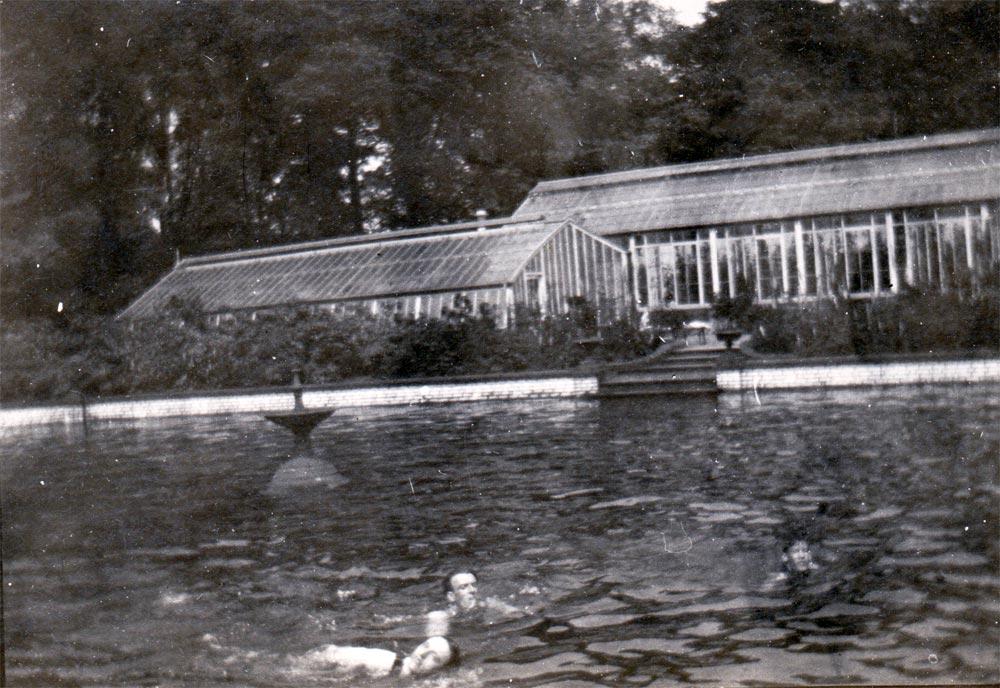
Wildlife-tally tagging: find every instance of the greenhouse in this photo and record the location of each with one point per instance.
(532, 267)
(864, 220)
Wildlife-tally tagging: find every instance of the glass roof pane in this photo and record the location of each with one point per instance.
(380, 269)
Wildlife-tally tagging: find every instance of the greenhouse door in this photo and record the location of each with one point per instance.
(536, 293)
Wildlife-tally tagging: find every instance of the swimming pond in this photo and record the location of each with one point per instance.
(640, 539)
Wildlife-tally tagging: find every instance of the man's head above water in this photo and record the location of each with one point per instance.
(432, 654)
(461, 591)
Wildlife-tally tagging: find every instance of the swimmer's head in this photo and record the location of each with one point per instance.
(460, 588)
(434, 653)
(797, 557)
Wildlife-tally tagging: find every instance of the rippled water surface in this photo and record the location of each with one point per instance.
(639, 539)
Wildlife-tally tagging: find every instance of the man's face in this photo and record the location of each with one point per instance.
(463, 591)
(429, 655)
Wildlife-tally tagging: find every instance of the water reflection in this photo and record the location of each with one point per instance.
(643, 539)
(304, 472)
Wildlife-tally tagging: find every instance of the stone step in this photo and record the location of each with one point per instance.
(659, 376)
(707, 354)
(693, 359)
(657, 388)
(678, 365)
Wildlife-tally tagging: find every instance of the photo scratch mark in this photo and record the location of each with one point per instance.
(682, 545)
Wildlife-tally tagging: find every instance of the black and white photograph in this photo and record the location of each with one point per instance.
(499, 343)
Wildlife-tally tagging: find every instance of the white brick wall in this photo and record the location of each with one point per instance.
(860, 375)
(791, 377)
(125, 408)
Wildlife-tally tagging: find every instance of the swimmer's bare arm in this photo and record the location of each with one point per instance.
(348, 659)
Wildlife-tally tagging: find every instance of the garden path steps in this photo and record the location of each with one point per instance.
(667, 371)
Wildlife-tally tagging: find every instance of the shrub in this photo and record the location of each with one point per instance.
(624, 340)
(739, 310)
(56, 360)
(915, 321)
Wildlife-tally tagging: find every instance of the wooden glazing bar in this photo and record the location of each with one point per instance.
(634, 252)
(756, 258)
(623, 266)
(566, 253)
(546, 271)
(909, 236)
(817, 243)
(800, 257)
(699, 271)
(927, 273)
(890, 246)
(597, 275)
(502, 314)
(970, 260)
(730, 262)
(587, 261)
(847, 254)
(673, 271)
(611, 287)
(566, 272)
(577, 274)
(786, 284)
(574, 263)
(551, 280)
(876, 270)
(942, 274)
(713, 260)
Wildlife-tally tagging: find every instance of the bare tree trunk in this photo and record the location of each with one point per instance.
(354, 184)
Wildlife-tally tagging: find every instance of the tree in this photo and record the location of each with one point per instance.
(760, 76)
(133, 131)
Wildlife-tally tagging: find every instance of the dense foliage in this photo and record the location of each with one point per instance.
(132, 130)
(914, 322)
(48, 359)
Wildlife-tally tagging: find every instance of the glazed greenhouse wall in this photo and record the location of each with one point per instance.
(861, 255)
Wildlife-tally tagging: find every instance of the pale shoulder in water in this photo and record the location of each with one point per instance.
(432, 654)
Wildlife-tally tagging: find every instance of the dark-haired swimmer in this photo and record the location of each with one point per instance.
(432, 654)
(462, 592)
(796, 564)
(797, 558)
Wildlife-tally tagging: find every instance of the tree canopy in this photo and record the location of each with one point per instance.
(132, 131)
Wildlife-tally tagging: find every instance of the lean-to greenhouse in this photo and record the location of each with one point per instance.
(533, 267)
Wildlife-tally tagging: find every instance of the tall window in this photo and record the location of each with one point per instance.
(860, 274)
(686, 271)
(668, 278)
(861, 254)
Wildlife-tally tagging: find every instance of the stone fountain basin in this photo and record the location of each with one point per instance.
(299, 421)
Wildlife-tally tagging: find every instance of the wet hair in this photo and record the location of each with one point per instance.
(446, 583)
(791, 543)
